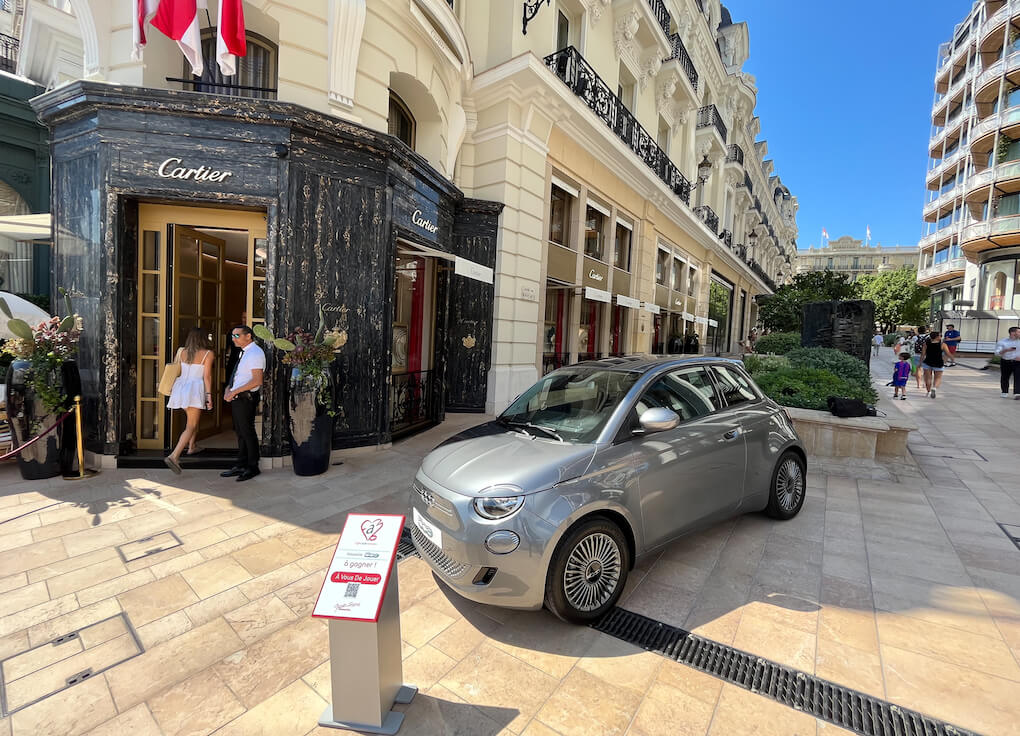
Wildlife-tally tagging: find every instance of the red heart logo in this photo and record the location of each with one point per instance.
(371, 528)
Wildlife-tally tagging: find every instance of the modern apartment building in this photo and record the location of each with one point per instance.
(970, 253)
(475, 191)
(854, 258)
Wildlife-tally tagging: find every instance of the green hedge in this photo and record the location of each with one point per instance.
(809, 388)
(890, 339)
(837, 363)
(755, 363)
(779, 343)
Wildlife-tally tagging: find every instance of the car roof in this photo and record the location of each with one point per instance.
(643, 363)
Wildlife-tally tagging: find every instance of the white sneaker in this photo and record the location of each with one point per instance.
(1005, 396)
(903, 398)
(1016, 397)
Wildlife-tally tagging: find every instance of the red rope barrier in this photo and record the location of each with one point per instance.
(32, 441)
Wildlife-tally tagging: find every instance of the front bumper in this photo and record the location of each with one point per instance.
(463, 560)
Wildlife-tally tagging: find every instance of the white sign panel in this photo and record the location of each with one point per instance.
(628, 301)
(476, 271)
(653, 308)
(529, 293)
(701, 320)
(597, 295)
(688, 316)
(713, 323)
(362, 562)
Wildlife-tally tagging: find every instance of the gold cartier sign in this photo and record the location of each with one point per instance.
(171, 169)
(426, 225)
(595, 275)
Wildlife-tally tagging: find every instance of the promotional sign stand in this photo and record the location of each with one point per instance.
(360, 599)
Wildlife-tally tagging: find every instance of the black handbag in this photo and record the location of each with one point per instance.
(847, 408)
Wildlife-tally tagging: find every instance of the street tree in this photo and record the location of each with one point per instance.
(898, 298)
(783, 311)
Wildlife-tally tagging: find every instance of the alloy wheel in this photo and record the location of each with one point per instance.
(592, 572)
(789, 484)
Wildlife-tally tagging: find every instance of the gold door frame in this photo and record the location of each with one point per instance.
(154, 249)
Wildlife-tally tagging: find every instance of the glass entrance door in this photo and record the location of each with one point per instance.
(411, 393)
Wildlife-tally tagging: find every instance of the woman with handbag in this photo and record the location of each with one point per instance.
(192, 391)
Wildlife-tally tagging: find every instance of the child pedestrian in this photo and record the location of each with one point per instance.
(901, 372)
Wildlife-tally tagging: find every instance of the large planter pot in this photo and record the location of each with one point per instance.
(55, 453)
(309, 405)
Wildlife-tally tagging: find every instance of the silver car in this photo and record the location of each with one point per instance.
(594, 466)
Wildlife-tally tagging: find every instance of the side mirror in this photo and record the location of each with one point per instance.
(658, 419)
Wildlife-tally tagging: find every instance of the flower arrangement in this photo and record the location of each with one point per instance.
(310, 353)
(46, 346)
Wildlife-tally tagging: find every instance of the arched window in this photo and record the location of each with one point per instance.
(401, 122)
(997, 292)
(256, 71)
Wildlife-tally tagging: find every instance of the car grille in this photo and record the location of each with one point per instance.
(431, 500)
(449, 567)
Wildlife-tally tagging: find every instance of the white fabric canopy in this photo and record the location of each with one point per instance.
(21, 309)
(25, 227)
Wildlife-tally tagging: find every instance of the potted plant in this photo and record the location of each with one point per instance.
(309, 404)
(41, 383)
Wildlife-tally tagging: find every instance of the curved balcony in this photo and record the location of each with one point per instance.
(986, 87)
(995, 233)
(951, 269)
(996, 23)
(940, 237)
(1005, 176)
(935, 208)
(940, 109)
(982, 138)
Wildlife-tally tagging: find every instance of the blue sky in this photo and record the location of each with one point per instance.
(844, 94)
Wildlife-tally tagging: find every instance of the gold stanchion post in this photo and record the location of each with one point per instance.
(82, 473)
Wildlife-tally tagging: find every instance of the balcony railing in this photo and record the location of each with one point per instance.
(734, 154)
(748, 184)
(708, 116)
(681, 56)
(577, 74)
(948, 266)
(760, 273)
(708, 216)
(727, 237)
(8, 53)
(661, 14)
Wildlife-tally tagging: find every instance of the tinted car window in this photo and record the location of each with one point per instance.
(735, 386)
(687, 391)
(574, 402)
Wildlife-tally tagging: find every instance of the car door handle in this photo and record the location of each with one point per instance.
(732, 434)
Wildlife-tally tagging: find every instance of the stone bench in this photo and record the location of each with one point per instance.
(876, 438)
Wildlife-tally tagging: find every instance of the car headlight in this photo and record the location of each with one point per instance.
(498, 507)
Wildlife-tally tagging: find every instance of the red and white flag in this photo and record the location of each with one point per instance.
(230, 41)
(178, 19)
(143, 11)
(825, 233)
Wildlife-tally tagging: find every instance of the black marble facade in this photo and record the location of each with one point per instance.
(337, 197)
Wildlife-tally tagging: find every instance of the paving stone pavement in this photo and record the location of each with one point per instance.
(895, 580)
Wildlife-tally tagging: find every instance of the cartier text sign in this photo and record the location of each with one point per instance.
(424, 223)
(172, 168)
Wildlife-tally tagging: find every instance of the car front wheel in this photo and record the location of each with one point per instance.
(789, 485)
(587, 572)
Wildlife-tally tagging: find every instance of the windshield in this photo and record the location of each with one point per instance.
(572, 404)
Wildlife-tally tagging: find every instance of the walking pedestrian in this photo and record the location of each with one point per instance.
(242, 393)
(933, 361)
(918, 351)
(191, 391)
(876, 343)
(1008, 350)
(952, 340)
(901, 372)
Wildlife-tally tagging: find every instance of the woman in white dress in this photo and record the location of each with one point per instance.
(192, 391)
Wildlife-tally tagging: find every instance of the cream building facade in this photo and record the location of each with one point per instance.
(854, 258)
(970, 252)
(620, 136)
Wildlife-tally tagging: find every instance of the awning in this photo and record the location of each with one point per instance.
(26, 227)
(414, 249)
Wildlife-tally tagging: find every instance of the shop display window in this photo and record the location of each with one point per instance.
(560, 208)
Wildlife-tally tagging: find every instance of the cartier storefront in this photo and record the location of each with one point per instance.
(173, 210)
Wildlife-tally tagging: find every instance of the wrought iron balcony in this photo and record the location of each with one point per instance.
(741, 250)
(734, 154)
(760, 273)
(8, 53)
(727, 237)
(709, 116)
(681, 56)
(577, 74)
(661, 14)
(748, 184)
(708, 216)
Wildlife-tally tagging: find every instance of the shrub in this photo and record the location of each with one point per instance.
(890, 339)
(836, 362)
(755, 363)
(779, 343)
(808, 388)
(995, 360)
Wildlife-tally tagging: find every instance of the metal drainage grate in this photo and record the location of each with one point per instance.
(820, 698)
(406, 547)
(35, 674)
(1013, 532)
(146, 546)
